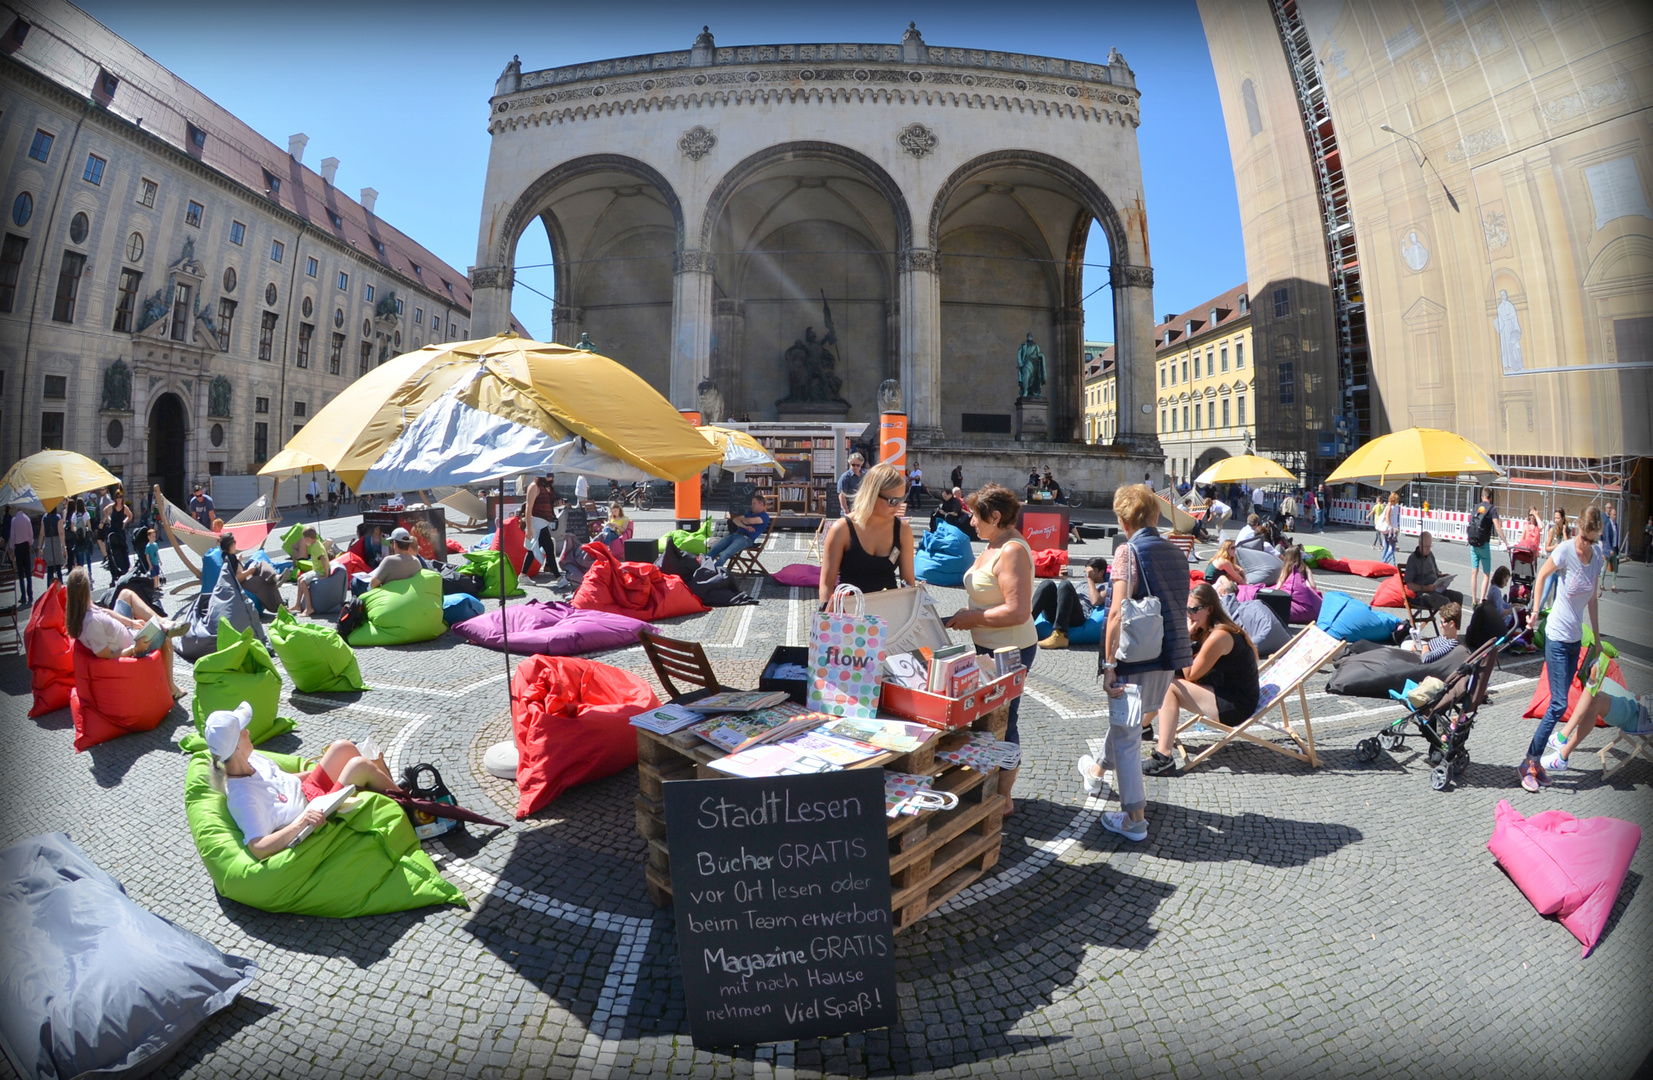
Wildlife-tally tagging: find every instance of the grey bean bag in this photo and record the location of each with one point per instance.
(226, 601)
(1260, 567)
(1264, 627)
(1376, 670)
(327, 594)
(90, 981)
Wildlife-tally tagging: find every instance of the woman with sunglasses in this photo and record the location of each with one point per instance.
(872, 544)
(1574, 567)
(1220, 684)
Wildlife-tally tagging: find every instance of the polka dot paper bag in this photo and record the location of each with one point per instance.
(846, 657)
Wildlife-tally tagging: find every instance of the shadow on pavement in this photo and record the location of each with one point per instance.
(362, 941)
(112, 760)
(221, 1028)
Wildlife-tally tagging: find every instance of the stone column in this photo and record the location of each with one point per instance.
(1133, 316)
(566, 324)
(728, 338)
(491, 299)
(892, 338)
(920, 306)
(691, 360)
(1065, 369)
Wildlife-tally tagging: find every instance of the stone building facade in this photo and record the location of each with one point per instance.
(1101, 392)
(927, 207)
(177, 293)
(1206, 373)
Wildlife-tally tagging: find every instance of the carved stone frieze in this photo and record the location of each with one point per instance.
(917, 140)
(1611, 92)
(1477, 143)
(1131, 277)
(918, 259)
(493, 277)
(692, 261)
(696, 143)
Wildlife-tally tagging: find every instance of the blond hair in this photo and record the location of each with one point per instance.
(877, 480)
(1136, 506)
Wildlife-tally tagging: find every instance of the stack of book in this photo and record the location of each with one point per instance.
(952, 671)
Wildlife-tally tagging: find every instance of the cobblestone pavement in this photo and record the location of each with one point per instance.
(1278, 921)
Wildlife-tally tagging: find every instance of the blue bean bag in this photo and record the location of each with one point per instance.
(89, 981)
(943, 556)
(457, 607)
(1345, 618)
(1088, 632)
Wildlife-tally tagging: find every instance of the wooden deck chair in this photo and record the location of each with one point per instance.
(747, 562)
(682, 661)
(463, 502)
(11, 637)
(817, 543)
(1420, 615)
(1285, 671)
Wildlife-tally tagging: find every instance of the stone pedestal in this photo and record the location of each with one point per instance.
(812, 412)
(1032, 419)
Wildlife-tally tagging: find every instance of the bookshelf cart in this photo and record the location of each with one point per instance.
(813, 455)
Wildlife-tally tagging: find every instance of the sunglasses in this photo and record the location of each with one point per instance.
(896, 501)
(1195, 609)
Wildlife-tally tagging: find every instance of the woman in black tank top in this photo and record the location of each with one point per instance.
(1221, 684)
(871, 548)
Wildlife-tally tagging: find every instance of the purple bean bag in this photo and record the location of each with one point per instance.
(1305, 601)
(801, 575)
(555, 629)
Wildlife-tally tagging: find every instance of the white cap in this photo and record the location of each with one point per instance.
(224, 729)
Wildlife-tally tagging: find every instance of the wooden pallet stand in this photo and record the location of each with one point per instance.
(933, 854)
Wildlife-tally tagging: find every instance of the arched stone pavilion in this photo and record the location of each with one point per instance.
(706, 208)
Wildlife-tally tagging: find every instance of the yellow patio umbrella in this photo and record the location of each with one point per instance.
(50, 476)
(469, 411)
(1395, 460)
(1245, 469)
(740, 450)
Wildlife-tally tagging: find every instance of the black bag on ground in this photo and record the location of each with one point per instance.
(352, 615)
(424, 782)
(140, 583)
(455, 582)
(711, 586)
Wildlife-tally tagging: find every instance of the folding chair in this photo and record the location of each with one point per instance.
(1419, 614)
(463, 502)
(684, 661)
(1285, 671)
(1639, 745)
(817, 543)
(747, 562)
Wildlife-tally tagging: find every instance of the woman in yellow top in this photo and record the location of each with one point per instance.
(1000, 588)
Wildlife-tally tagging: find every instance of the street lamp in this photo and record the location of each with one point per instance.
(1423, 159)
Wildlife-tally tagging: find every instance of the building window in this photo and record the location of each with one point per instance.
(305, 333)
(22, 209)
(238, 233)
(94, 169)
(261, 405)
(134, 247)
(270, 294)
(51, 431)
(79, 226)
(335, 355)
(1244, 304)
(1210, 365)
(68, 286)
(344, 281)
(311, 266)
(398, 305)
(298, 409)
(1162, 376)
(272, 184)
(1185, 418)
(126, 305)
(1162, 426)
(226, 321)
(1288, 382)
(57, 388)
(180, 313)
(379, 246)
(261, 439)
(418, 271)
(1282, 303)
(192, 215)
(365, 360)
(197, 137)
(338, 317)
(1239, 410)
(146, 192)
(419, 319)
(1185, 371)
(11, 268)
(278, 250)
(338, 222)
(1225, 412)
(1239, 354)
(266, 335)
(367, 294)
(367, 328)
(1224, 364)
(41, 148)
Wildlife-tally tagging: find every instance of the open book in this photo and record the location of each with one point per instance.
(149, 636)
(328, 804)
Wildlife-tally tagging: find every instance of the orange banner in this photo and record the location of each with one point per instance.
(687, 500)
(892, 439)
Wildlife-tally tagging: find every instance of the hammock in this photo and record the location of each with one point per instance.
(249, 527)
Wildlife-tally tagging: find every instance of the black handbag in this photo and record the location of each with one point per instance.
(424, 781)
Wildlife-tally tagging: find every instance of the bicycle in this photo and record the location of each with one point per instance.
(640, 496)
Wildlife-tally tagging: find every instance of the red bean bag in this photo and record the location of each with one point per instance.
(1049, 562)
(572, 720)
(1566, 867)
(51, 665)
(1195, 576)
(1540, 703)
(641, 590)
(1340, 566)
(516, 545)
(352, 562)
(117, 697)
(1368, 567)
(455, 548)
(1390, 594)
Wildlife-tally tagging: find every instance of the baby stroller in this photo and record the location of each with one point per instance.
(1523, 567)
(1444, 720)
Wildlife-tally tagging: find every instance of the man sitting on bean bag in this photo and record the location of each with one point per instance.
(402, 611)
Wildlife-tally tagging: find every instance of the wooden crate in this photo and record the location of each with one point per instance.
(933, 854)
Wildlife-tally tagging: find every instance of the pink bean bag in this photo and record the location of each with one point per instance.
(51, 663)
(553, 628)
(799, 575)
(1568, 868)
(117, 697)
(1540, 703)
(641, 590)
(572, 720)
(1305, 601)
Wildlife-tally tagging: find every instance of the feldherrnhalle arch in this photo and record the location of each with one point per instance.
(704, 206)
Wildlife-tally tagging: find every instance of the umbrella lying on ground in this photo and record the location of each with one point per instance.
(45, 479)
(1395, 460)
(1246, 469)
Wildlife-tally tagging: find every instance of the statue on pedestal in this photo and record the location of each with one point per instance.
(1030, 369)
(709, 399)
(812, 366)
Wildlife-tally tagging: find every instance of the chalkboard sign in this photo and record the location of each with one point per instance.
(782, 892)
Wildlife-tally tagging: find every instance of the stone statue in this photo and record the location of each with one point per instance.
(812, 366)
(585, 344)
(117, 386)
(889, 396)
(1030, 369)
(1415, 255)
(709, 401)
(219, 392)
(386, 307)
(154, 309)
(1508, 325)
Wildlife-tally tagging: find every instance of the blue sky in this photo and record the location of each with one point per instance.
(400, 95)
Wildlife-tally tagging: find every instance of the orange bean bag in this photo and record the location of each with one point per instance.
(1337, 565)
(455, 548)
(352, 562)
(641, 590)
(117, 697)
(572, 719)
(51, 665)
(1049, 562)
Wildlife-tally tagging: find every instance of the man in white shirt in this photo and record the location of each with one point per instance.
(22, 550)
(582, 491)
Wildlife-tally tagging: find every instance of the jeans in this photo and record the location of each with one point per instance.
(1561, 664)
(730, 546)
(1388, 555)
(1013, 733)
(22, 557)
(1123, 746)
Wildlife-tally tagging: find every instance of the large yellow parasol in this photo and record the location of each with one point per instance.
(469, 411)
(50, 476)
(1393, 461)
(1246, 469)
(740, 450)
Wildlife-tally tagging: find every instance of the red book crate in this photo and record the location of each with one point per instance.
(948, 714)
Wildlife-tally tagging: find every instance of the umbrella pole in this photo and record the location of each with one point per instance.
(504, 623)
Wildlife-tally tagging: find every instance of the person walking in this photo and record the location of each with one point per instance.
(1575, 568)
(52, 545)
(1610, 543)
(1483, 526)
(21, 538)
(956, 480)
(849, 484)
(1390, 528)
(79, 534)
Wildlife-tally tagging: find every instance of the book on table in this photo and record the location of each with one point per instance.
(667, 719)
(729, 732)
(328, 804)
(907, 669)
(738, 701)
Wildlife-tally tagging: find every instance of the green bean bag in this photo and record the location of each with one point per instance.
(694, 542)
(241, 670)
(1313, 553)
(364, 861)
(485, 565)
(402, 612)
(316, 657)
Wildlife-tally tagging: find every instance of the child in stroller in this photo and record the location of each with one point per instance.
(1524, 557)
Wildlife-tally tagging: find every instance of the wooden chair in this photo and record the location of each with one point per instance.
(1419, 615)
(747, 562)
(11, 637)
(682, 661)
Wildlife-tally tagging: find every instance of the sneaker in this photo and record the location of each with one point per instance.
(1091, 774)
(175, 627)
(1532, 775)
(1553, 762)
(1116, 821)
(1058, 639)
(1160, 765)
(1557, 741)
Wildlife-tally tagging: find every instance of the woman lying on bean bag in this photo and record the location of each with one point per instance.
(107, 634)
